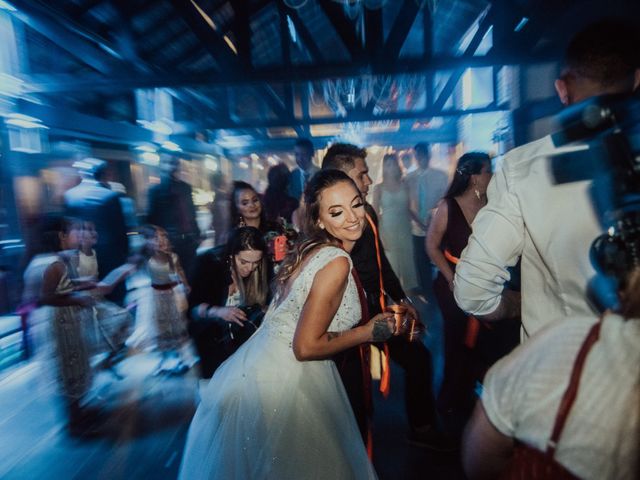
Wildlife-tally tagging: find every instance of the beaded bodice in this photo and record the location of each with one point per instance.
(282, 317)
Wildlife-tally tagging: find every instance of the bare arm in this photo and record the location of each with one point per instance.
(437, 228)
(48, 296)
(311, 340)
(486, 452)
(114, 277)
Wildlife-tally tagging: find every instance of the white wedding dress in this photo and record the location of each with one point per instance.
(266, 415)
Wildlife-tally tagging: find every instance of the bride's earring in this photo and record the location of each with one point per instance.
(476, 191)
(241, 222)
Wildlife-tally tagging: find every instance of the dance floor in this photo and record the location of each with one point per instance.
(146, 428)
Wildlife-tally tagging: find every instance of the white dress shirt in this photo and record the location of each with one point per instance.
(550, 226)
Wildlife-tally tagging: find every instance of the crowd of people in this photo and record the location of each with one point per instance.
(281, 315)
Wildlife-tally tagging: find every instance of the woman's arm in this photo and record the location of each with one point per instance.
(437, 228)
(311, 340)
(486, 452)
(114, 277)
(48, 296)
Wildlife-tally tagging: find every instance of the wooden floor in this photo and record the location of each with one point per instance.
(145, 434)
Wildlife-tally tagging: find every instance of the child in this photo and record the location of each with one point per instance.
(166, 275)
(111, 323)
(68, 315)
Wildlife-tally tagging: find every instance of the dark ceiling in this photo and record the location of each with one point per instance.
(274, 69)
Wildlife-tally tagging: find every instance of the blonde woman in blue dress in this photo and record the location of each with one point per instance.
(277, 408)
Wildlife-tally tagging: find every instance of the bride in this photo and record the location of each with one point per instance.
(277, 408)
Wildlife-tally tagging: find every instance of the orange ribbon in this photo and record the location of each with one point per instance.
(473, 324)
(385, 380)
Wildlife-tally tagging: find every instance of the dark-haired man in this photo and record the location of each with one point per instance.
(94, 201)
(171, 207)
(413, 357)
(550, 227)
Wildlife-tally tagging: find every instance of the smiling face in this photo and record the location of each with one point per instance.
(341, 213)
(247, 261)
(248, 204)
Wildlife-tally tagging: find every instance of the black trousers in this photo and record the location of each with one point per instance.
(415, 359)
(349, 366)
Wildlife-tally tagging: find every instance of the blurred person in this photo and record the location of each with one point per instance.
(171, 208)
(391, 201)
(227, 282)
(128, 205)
(406, 162)
(567, 402)
(278, 204)
(277, 408)
(112, 324)
(379, 281)
(94, 201)
(426, 187)
(220, 208)
(301, 175)
(65, 317)
(166, 304)
(469, 347)
(549, 227)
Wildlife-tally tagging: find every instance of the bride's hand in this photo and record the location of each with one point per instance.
(382, 327)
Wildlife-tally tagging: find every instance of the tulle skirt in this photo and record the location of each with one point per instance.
(265, 415)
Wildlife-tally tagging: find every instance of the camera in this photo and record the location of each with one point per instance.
(236, 334)
(609, 125)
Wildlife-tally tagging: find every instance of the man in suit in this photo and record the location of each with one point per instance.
(171, 207)
(412, 357)
(93, 200)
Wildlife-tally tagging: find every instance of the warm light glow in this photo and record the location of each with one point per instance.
(231, 45)
(467, 93)
(210, 163)
(7, 6)
(171, 146)
(150, 158)
(204, 15)
(145, 148)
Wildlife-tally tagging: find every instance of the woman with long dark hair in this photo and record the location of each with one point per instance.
(277, 408)
(230, 288)
(247, 209)
(446, 238)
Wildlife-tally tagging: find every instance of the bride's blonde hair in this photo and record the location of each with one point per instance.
(312, 235)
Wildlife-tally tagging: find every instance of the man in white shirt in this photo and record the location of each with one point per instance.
(550, 227)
